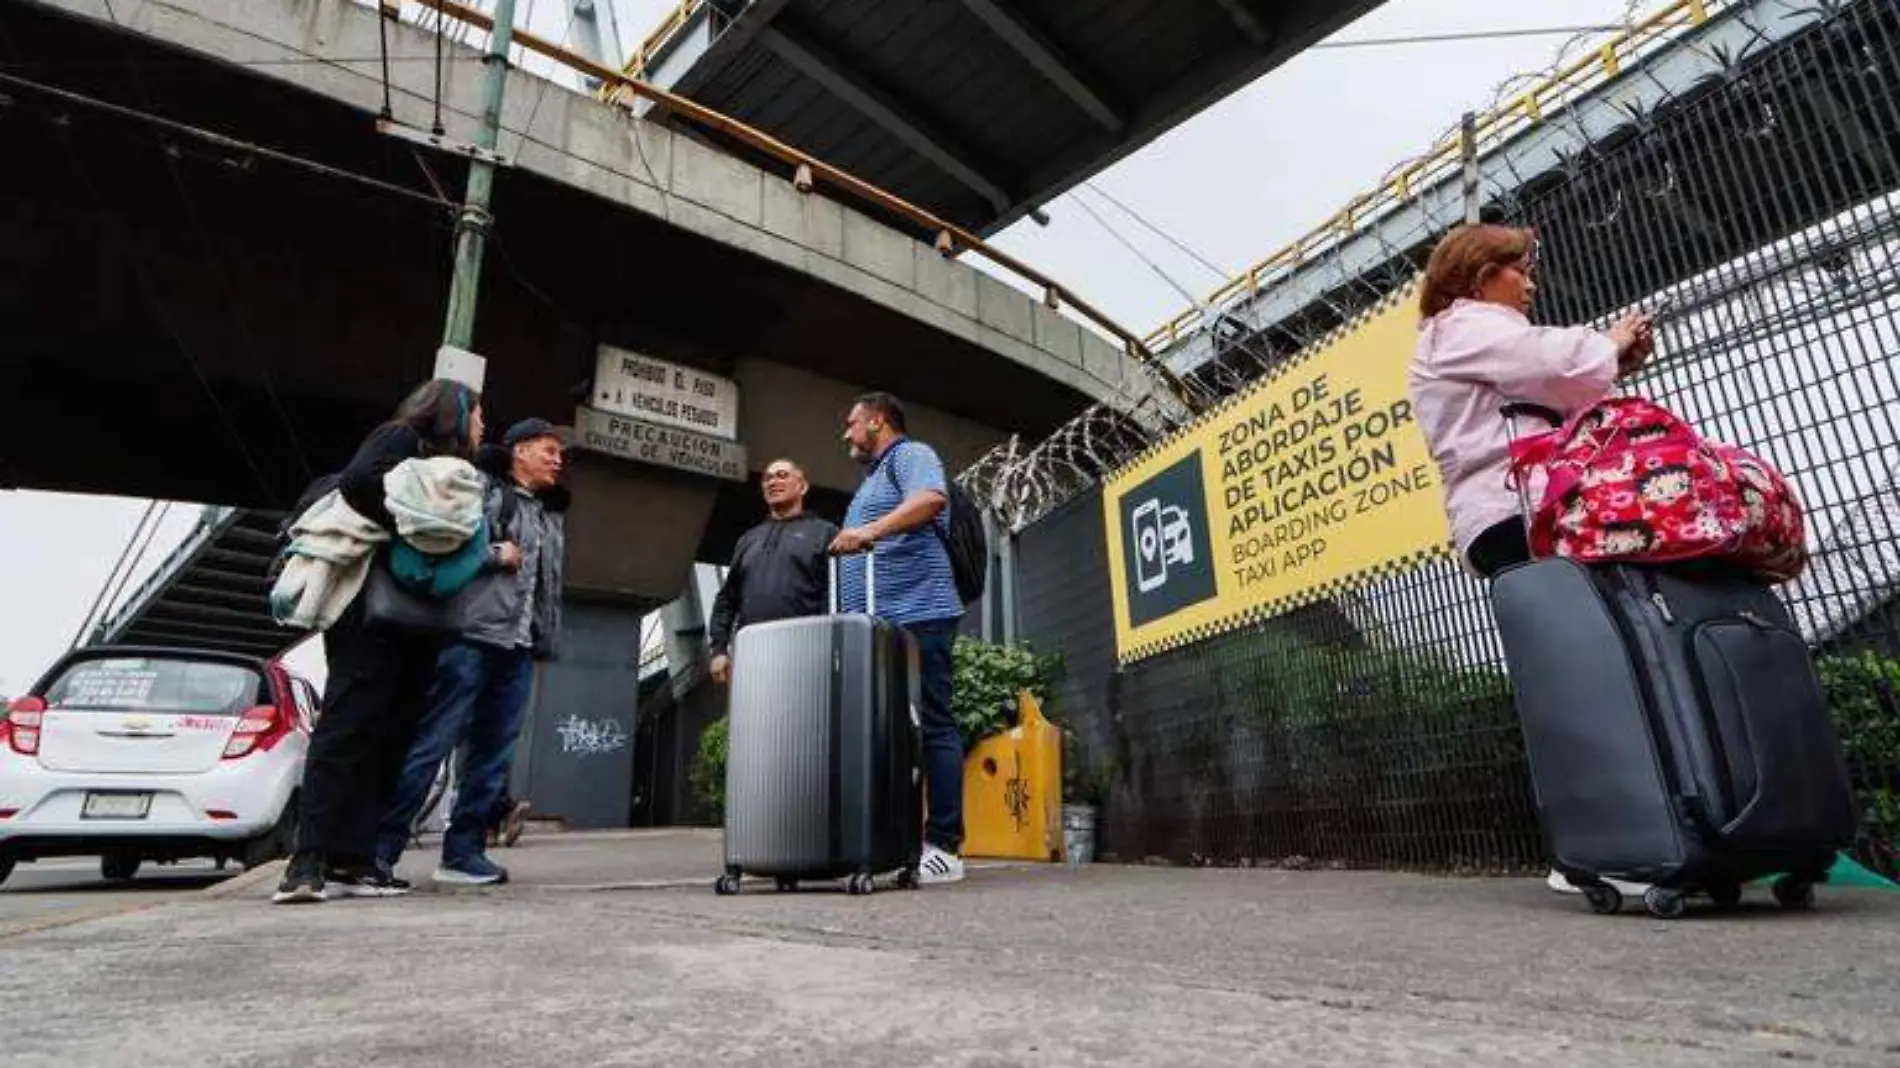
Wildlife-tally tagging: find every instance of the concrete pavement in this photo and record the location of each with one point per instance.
(51, 890)
(1021, 965)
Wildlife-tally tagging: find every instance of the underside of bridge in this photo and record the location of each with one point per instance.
(199, 322)
(981, 110)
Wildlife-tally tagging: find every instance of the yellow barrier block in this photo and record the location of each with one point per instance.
(1012, 791)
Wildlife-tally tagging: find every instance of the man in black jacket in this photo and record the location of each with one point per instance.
(780, 569)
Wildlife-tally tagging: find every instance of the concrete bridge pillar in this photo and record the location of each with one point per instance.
(633, 531)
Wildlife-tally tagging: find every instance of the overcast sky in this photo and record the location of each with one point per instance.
(1235, 183)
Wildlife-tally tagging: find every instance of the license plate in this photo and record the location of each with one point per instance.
(116, 806)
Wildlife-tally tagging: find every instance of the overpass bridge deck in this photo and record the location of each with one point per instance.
(979, 110)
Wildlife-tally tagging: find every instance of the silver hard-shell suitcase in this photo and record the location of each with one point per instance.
(824, 760)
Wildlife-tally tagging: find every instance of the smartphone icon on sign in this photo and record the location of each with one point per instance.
(1151, 568)
(1162, 537)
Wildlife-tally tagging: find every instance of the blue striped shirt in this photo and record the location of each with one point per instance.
(915, 583)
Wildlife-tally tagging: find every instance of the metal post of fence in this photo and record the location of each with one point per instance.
(1468, 147)
(1007, 571)
(991, 605)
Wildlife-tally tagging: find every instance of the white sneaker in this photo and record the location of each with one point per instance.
(1561, 885)
(939, 868)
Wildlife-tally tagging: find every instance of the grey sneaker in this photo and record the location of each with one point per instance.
(474, 871)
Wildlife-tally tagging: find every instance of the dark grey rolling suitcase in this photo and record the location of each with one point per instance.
(824, 759)
(1677, 731)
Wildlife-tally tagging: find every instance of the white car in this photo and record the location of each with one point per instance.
(137, 754)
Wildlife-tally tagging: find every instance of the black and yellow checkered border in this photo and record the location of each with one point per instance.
(1405, 293)
(1393, 567)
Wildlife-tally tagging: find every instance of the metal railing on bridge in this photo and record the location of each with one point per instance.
(1444, 161)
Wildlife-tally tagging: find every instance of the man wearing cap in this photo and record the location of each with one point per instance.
(510, 617)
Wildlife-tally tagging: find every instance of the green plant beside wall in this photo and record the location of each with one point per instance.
(709, 766)
(988, 679)
(1863, 693)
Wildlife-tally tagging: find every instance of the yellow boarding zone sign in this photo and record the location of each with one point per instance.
(1306, 484)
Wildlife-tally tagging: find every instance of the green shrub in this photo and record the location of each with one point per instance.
(1863, 692)
(988, 679)
(709, 766)
(1298, 681)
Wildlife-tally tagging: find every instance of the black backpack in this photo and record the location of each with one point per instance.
(964, 540)
(968, 544)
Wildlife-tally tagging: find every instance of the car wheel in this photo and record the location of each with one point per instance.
(119, 869)
(275, 844)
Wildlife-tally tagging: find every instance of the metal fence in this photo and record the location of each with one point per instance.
(1759, 215)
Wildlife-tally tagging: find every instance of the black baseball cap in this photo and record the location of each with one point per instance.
(530, 429)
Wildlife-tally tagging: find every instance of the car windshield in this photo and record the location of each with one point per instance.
(155, 684)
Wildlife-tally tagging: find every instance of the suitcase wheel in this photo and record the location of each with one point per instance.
(1794, 894)
(1727, 896)
(727, 885)
(908, 880)
(860, 884)
(785, 884)
(1604, 900)
(1665, 904)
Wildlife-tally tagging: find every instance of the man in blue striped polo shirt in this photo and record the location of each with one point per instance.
(902, 514)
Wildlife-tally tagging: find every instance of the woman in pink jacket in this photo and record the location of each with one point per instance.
(1477, 351)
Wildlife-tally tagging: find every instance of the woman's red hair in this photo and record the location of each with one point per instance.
(1462, 260)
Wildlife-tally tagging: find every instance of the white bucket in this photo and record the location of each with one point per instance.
(1078, 834)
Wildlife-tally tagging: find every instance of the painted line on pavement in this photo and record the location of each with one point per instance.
(39, 924)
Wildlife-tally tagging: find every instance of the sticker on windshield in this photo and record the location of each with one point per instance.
(96, 688)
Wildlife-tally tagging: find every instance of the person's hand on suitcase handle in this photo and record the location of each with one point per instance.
(870, 578)
(853, 540)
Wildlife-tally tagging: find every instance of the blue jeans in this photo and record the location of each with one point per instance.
(943, 743)
(477, 699)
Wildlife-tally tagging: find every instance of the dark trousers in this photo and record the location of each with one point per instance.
(478, 701)
(1499, 547)
(371, 704)
(503, 804)
(943, 743)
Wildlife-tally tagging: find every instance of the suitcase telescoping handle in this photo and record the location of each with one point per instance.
(1512, 412)
(870, 582)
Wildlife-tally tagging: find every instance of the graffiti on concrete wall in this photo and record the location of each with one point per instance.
(591, 737)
